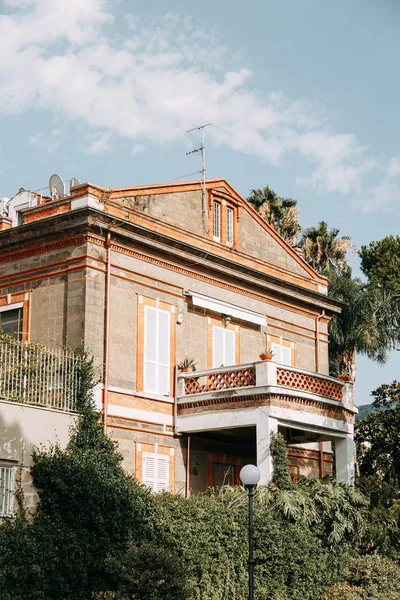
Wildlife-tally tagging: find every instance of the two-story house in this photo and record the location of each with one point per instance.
(148, 276)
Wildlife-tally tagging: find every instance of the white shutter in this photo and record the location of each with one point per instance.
(224, 347)
(155, 469)
(277, 350)
(150, 349)
(162, 473)
(163, 353)
(149, 470)
(156, 351)
(282, 354)
(229, 350)
(218, 347)
(286, 356)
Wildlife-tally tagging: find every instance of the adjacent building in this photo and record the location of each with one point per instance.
(147, 277)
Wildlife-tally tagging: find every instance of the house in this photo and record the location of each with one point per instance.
(150, 275)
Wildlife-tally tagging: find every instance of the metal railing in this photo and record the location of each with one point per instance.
(31, 374)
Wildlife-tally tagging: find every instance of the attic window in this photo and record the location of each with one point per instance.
(229, 226)
(217, 222)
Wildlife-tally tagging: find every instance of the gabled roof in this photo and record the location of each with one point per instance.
(211, 185)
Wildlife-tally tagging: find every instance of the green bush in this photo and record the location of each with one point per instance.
(378, 573)
(148, 572)
(99, 534)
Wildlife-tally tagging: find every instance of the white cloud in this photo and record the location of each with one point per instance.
(69, 58)
(394, 167)
(98, 143)
(47, 142)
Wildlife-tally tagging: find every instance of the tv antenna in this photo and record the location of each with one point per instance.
(202, 150)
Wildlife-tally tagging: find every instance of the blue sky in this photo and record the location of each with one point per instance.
(308, 91)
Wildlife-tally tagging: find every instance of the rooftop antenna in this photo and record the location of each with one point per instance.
(202, 150)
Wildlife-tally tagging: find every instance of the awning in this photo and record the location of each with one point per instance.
(227, 309)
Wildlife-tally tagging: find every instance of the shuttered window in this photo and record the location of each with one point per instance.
(282, 354)
(224, 347)
(7, 482)
(229, 226)
(156, 351)
(217, 222)
(156, 471)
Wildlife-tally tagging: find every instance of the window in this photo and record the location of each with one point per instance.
(223, 347)
(11, 319)
(156, 351)
(155, 469)
(7, 481)
(217, 222)
(229, 226)
(223, 474)
(282, 354)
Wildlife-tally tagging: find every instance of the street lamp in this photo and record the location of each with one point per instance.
(250, 476)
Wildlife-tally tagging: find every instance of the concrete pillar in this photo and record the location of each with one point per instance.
(345, 459)
(264, 427)
(266, 373)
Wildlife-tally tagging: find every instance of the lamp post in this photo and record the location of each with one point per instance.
(250, 476)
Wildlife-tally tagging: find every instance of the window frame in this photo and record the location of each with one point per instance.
(7, 496)
(217, 211)
(288, 345)
(230, 226)
(157, 458)
(226, 333)
(10, 307)
(156, 390)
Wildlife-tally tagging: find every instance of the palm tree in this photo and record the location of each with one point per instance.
(281, 213)
(368, 324)
(324, 251)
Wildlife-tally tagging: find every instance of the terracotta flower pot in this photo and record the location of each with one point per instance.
(267, 356)
(346, 378)
(186, 369)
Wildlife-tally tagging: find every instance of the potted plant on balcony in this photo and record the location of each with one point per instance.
(345, 377)
(186, 365)
(267, 354)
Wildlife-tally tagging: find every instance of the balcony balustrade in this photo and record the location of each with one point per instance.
(256, 377)
(31, 374)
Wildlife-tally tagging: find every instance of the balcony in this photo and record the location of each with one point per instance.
(31, 374)
(305, 406)
(230, 384)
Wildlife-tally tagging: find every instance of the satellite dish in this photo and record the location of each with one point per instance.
(56, 187)
(74, 181)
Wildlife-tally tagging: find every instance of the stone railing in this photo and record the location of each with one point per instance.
(261, 374)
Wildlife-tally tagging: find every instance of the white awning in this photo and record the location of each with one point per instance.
(227, 309)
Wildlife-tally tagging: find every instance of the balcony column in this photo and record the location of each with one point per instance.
(345, 459)
(264, 427)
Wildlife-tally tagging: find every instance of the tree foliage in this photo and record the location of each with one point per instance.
(282, 476)
(281, 213)
(367, 324)
(324, 250)
(378, 435)
(380, 262)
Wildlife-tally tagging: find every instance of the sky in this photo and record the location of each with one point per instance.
(304, 96)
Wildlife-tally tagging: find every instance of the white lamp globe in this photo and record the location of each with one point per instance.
(250, 475)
